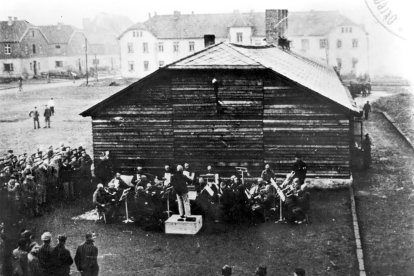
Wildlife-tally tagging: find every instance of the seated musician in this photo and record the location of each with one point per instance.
(267, 174)
(300, 168)
(142, 182)
(234, 182)
(297, 203)
(99, 200)
(119, 183)
(137, 176)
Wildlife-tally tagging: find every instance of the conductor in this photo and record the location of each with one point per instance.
(179, 183)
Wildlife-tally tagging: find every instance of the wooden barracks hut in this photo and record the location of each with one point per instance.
(229, 106)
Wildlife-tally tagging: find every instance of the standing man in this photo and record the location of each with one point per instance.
(45, 255)
(20, 84)
(47, 114)
(51, 104)
(62, 257)
(267, 174)
(367, 109)
(86, 258)
(300, 168)
(366, 147)
(179, 183)
(35, 115)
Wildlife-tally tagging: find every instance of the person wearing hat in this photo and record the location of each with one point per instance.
(300, 168)
(62, 257)
(179, 183)
(45, 255)
(226, 270)
(47, 114)
(86, 257)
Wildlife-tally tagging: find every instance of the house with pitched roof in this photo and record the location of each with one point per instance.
(326, 36)
(23, 49)
(231, 106)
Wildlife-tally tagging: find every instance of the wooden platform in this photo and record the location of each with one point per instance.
(173, 226)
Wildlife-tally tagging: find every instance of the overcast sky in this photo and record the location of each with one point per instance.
(388, 53)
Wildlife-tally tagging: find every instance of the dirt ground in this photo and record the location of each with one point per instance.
(385, 194)
(326, 247)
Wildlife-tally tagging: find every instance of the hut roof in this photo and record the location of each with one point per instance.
(308, 73)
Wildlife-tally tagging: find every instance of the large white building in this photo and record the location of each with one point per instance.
(326, 36)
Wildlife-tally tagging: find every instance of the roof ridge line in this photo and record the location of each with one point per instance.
(244, 54)
(196, 53)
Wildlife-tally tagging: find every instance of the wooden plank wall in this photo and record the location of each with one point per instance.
(137, 129)
(265, 119)
(297, 121)
(228, 139)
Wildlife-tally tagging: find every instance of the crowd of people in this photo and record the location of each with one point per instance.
(29, 183)
(32, 259)
(151, 199)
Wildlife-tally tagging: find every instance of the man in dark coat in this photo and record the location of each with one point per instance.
(367, 109)
(62, 258)
(267, 174)
(35, 115)
(47, 263)
(86, 257)
(47, 114)
(300, 168)
(104, 169)
(366, 147)
(179, 183)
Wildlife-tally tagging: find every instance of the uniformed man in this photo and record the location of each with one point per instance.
(367, 110)
(366, 147)
(86, 257)
(300, 168)
(62, 257)
(47, 114)
(179, 183)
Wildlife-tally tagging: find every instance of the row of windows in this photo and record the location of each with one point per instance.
(354, 62)
(137, 34)
(131, 65)
(7, 49)
(346, 29)
(8, 67)
(323, 43)
(176, 47)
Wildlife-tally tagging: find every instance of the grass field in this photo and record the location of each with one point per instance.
(326, 247)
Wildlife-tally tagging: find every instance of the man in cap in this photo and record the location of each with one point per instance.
(86, 257)
(99, 200)
(62, 258)
(45, 255)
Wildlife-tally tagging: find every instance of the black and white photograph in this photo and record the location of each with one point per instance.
(191, 138)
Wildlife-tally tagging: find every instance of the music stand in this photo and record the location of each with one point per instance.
(127, 220)
(242, 170)
(282, 199)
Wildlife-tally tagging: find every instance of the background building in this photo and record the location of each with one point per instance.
(326, 36)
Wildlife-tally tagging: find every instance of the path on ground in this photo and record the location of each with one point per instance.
(385, 201)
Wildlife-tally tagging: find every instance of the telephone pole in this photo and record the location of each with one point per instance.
(86, 57)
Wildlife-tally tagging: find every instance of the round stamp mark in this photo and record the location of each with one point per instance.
(389, 14)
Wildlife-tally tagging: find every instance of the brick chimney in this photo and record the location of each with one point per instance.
(276, 24)
(10, 21)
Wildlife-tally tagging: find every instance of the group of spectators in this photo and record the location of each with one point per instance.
(152, 198)
(33, 259)
(29, 183)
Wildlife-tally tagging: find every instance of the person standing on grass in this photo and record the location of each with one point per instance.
(63, 258)
(179, 183)
(35, 115)
(51, 105)
(47, 114)
(45, 255)
(86, 257)
(367, 109)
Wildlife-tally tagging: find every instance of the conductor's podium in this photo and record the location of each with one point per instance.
(173, 226)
